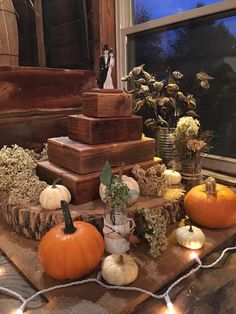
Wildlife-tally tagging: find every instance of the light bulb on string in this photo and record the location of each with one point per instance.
(18, 311)
(193, 255)
(169, 305)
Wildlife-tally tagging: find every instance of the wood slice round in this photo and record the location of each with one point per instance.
(34, 222)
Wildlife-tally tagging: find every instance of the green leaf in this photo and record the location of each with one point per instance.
(132, 193)
(106, 174)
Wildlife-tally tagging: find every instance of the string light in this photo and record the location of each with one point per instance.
(18, 311)
(169, 305)
(194, 256)
(165, 295)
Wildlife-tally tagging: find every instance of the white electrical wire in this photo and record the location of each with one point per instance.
(165, 295)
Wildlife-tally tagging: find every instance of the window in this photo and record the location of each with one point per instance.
(195, 40)
(147, 10)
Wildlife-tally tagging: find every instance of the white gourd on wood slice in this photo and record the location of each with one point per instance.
(119, 269)
(51, 197)
(132, 185)
(172, 177)
(190, 237)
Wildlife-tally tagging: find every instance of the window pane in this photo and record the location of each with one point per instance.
(146, 10)
(201, 45)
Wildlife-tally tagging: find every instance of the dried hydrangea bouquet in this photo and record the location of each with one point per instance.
(189, 141)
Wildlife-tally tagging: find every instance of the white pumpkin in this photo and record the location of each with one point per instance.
(132, 185)
(190, 237)
(51, 197)
(119, 269)
(172, 177)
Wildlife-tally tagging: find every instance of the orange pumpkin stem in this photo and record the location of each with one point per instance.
(69, 226)
(210, 185)
(55, 182)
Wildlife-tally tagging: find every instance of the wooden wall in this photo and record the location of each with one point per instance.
(102, 30)
(35, 103)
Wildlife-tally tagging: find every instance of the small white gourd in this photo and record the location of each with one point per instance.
(51, 197)
(119, 269)
(173, 177)
(190, 237)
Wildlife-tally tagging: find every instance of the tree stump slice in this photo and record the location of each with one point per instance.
(34, 222)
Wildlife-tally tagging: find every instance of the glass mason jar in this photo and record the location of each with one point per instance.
(116, 215)
(117, 229)
(191, 171)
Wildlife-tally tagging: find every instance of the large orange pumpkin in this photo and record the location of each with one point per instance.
(211, 205)
(71, 250)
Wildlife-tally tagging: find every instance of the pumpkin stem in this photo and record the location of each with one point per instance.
(210, 185)
(190, 227)
(121, 260)
(55, 182)
(69, 226)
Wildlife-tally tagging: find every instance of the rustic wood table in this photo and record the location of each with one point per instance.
(210, 291)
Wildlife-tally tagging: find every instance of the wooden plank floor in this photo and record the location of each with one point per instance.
(154, 273)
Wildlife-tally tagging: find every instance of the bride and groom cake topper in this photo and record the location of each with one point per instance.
(106, 63)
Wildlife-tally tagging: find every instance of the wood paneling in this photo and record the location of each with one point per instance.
(35, 103)
(104, 30)
(66, 38)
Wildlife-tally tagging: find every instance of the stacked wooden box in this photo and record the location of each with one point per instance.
(105, 131)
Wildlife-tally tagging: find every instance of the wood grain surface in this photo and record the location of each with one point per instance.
(92, 130)
(105, 104)
(37, 102)
(83, 187)
(154, 273)
(83, 158)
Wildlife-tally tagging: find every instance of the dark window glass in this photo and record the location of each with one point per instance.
(146, 10)
(206, 44)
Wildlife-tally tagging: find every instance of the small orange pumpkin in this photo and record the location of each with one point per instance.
(211, 205)
(70, 250)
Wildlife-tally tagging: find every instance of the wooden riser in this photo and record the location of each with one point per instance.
(107, 104)
(104, 130)
(83, 158)
(84, 188)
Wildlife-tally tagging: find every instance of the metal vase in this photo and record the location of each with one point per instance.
(164, 147)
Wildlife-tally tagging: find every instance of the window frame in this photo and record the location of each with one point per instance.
(125, 27)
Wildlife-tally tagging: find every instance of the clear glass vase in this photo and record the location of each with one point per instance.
(116, 215)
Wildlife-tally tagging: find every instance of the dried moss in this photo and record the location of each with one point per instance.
(18, 174)
(154, 226)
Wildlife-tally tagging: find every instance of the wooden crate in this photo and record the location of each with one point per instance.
(83, 187)
(83, 158)
(104, 130)
(107, 104)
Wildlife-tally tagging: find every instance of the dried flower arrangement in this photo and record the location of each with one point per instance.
(189, 140)
(164, 98)
(151, 181)
(152, 225)
(18, 174)
(117, 192)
